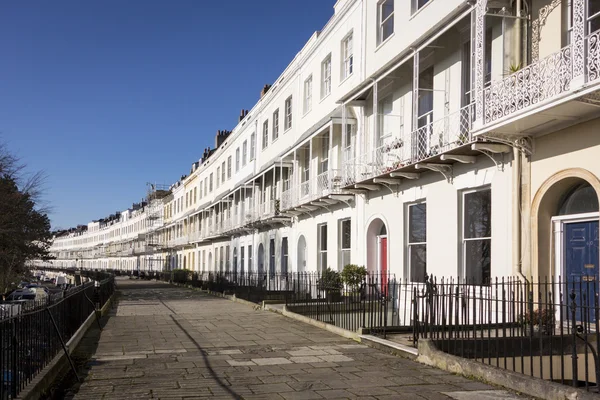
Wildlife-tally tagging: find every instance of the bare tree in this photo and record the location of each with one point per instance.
(24, 224)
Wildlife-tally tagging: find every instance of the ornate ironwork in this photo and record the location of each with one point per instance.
(593, 56)
(480, 11)
(537, 25)
(531, 85)
(578, 41)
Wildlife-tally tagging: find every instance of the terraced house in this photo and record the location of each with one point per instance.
(447, 137)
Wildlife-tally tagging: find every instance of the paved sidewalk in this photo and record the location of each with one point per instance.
(170, 343)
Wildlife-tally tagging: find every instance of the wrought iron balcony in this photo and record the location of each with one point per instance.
(550, 84)
(530, 86)
(429, 141)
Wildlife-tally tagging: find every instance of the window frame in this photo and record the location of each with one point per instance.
(242, 260)
(223, 174)
(347, 55)
(284, 255)
(249, 258)
(381, 22)
(307, 105)
(415, 7)
(326, 76)
(237, 159)
(244, 153)
(463, 240)
(287, 123)
(252, 146)
(410, 245)
(276, 123)
(229, 167)
(265, 134)
(321, 252)
(344, 251)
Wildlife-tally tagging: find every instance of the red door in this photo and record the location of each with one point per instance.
(383, 264)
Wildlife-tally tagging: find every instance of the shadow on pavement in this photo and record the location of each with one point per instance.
(212, 371)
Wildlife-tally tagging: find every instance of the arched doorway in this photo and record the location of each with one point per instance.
(565, 198)
(565, 235)
(377, 248)
(575, 224)
(301, 254)
(261, 259)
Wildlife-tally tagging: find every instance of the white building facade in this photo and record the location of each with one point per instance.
(447, 137)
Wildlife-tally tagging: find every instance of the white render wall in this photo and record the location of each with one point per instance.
(442, 197)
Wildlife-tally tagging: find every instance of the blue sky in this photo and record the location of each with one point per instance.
(105, 96)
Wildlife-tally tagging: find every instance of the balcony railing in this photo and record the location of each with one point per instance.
(536, 83)
(287, 199)
(266, 210)
(593, 56)
(442, 135)
(329, 182)
(304, 192)
(431, 139)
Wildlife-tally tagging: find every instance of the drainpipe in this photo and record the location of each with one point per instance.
(518, 33)
(516, 214)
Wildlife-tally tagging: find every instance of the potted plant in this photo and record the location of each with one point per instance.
(331, 283)
(540, 321)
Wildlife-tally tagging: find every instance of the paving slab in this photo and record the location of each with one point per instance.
(167, 342)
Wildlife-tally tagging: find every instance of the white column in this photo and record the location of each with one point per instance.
(344, 132)
(310, 162)
(330, 150)
(415, 99)
(293, 182)
(375, 117)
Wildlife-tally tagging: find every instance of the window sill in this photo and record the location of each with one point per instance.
(288, 129)
(306, 113)
(325, 97)
(380, 45)
(420, 10)
(346, 78)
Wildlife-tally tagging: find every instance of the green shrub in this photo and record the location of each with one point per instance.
(181, 275)
(330, 281)
(353, 275)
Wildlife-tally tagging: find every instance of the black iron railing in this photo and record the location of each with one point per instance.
(30, 340)
(546, 329)
(377, 303)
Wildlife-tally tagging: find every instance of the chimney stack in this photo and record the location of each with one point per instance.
(264, 90)
(222, 135)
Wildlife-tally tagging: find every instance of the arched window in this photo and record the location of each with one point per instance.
(581, 198)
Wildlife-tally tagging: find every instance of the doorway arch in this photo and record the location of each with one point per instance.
(261, 259)
(562, 192)
(301, 254)
(377, 247)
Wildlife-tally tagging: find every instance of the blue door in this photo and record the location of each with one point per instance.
(582, 267)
